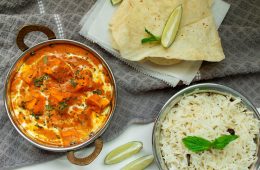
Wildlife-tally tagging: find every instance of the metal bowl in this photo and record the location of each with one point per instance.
(199, 88)
(29, 52)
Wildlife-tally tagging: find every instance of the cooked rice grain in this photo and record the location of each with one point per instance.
(209, 115)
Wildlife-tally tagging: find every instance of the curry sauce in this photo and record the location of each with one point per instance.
(62, 95)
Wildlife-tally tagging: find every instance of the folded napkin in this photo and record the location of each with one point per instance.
(140, 97)
(95, 28)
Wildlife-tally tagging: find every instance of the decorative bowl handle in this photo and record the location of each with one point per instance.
(86, 160)
(30, 28)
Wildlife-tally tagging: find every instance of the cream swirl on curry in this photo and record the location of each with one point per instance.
(61, 95)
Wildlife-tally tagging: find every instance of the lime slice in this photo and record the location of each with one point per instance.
(122, 152)
(171, 28)
(140, 163)
(115, 2)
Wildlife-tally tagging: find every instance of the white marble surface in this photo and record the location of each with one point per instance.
(133, 133)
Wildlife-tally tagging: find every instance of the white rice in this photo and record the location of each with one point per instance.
(209, 115)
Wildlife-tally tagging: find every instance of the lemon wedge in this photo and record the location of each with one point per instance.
(171, 27)
(123, 152)
(115, 2)
(140, 163)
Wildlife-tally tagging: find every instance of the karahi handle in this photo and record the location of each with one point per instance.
(88, 159)
(30, 28)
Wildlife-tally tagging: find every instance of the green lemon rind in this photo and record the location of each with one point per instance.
(123, 152)
(171, 27)
(115, 2)
(140, 163)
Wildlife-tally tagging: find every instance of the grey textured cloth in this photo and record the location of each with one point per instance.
(140, 97)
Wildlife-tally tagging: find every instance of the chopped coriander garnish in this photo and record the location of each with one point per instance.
(77, 72)
(35, 116)
(152, 38)
(99, 92)
(45, 59)
(63, 105)
(49, 114)
(38, 126)
(48, 107)
(38, 82)
(73, 83)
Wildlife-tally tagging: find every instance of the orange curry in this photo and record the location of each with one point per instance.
(61, 95)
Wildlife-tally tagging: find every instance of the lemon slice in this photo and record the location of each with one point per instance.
(115, 2)
(171, 28)
(122, 152)
(140, 163)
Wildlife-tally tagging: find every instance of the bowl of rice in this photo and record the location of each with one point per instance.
(207, 111)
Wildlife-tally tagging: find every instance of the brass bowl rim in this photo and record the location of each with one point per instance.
(42, 45)
(197, 88)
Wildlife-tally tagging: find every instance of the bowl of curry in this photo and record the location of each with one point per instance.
(60, 95)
